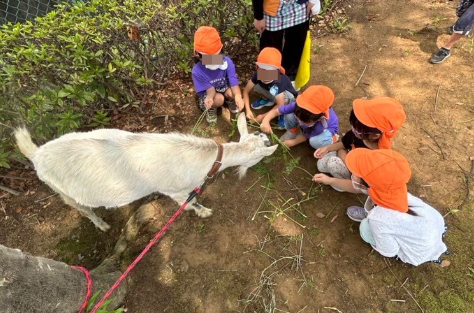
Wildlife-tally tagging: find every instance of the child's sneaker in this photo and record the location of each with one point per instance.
(290, 135)
(233, 108)
(294, 86)
(211, 115)
(356, 213)
(440, 56)
(280, 123)
(260, 103)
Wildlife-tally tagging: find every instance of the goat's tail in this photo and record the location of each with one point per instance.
(24, 142)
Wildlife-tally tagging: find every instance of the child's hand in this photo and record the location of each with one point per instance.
(240, 103)
(265, 127)
(208, 102)
(250, 115)
(322, 178)
(319, 153)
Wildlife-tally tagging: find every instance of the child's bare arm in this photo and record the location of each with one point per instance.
(279, 100)
(247, 90)
(265, 126)
(238, 97)
(343, 184)
(319, 153)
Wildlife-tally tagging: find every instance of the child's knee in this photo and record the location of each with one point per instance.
(218, 99)
(321, 140)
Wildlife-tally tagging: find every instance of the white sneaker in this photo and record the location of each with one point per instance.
(294, 86)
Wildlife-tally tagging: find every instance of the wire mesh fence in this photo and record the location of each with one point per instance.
(22, 10)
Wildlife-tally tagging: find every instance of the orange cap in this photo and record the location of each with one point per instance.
(316, 99)
(270, 57)
(386, 171)
(207, 40)
(384, 113)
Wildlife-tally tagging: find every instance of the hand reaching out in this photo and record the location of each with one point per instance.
(322, 178)
(319, 153)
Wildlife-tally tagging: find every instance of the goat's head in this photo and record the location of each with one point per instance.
(257, 144)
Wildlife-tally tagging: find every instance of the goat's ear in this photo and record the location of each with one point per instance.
(266, 151)
(242, 125)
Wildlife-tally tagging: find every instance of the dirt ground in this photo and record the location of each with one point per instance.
(276, 242)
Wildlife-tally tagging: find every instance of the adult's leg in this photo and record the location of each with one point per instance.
(271, 39)
(295, 38)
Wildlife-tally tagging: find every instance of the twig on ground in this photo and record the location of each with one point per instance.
(404, 282)
(434, 139)
(9, 190)
(333, 309)
(422, 290)
(54, 194)
(15, 177)
(254, 184)
(397, 300)
(357, 83)
(330, 211)
(291, 184)
(467, 177)
(409, 293)
(436, 99)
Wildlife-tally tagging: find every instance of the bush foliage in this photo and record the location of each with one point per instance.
(75, 66)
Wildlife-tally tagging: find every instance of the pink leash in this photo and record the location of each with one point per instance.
(142, 254)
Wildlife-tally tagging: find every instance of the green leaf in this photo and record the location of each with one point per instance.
(112, 99)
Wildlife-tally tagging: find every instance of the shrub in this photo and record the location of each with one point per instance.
(74, 66)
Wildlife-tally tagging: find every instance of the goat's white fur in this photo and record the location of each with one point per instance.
(111, 167)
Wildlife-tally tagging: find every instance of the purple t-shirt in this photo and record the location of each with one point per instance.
(205, 78)
(316, 129)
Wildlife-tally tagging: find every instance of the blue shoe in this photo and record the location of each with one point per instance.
(280, 123)
(260, 103)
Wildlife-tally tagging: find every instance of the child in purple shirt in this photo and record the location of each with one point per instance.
(309, 118)
(214, 75)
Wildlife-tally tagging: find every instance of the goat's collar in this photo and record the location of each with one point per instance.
(217, 163)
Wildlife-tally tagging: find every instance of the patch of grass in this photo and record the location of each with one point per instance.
(313, 231)
(438, 19)
(340, 25)
(322, 252)
(201, 228)
(470, 273)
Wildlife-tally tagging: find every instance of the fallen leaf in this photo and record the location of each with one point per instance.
(320, 215)
(19, 209)
(334, 218)
(445, 263)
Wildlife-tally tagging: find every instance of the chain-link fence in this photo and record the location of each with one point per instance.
(22, 10)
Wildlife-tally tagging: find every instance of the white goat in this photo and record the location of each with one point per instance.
(111, 167)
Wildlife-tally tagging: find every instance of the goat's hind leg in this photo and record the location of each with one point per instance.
(87, 212)
(200, 210)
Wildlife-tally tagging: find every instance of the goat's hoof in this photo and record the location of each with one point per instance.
(104, 227)
(202, 211)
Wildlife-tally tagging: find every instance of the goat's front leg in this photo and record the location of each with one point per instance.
(200, 210)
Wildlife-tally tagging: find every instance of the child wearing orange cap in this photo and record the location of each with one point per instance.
(374, 122)
(398, 224)
(214, 75)
(309, 118)
(270, 81)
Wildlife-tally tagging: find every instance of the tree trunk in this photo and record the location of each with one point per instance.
(31, 284)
